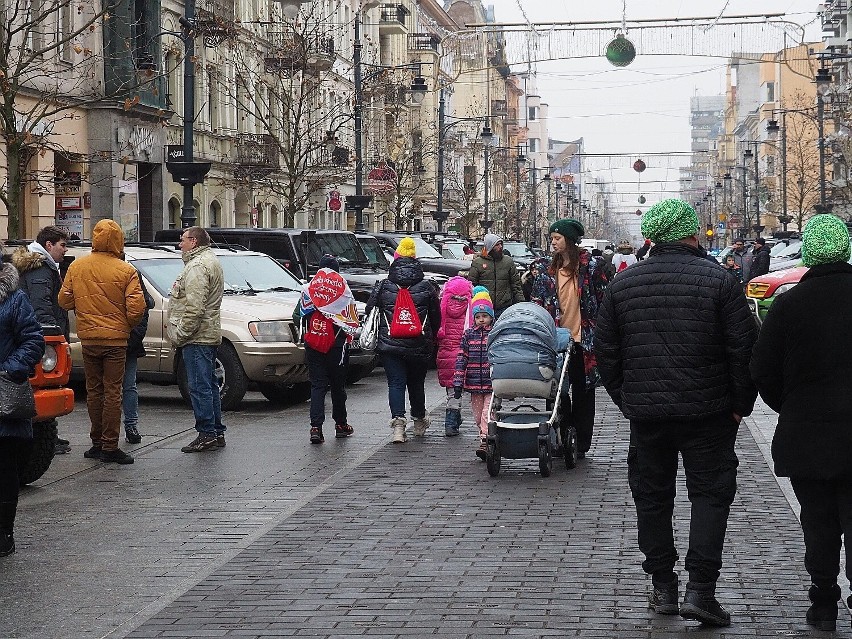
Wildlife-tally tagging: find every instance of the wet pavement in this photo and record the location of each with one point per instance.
(273, 537)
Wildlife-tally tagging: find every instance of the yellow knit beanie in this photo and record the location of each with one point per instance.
(405, 248)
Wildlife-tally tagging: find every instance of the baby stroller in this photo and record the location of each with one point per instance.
(528, 376)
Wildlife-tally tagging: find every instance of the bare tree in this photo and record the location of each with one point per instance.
(802, 160)
(52, 54)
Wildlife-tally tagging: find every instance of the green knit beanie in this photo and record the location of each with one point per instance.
(825, 240)
(669, 221)
(569, 228)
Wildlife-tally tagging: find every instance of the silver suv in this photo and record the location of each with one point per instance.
(259, 342)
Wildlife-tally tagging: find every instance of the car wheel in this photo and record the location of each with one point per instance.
(41, 454)
(280, 394)
(230, 377)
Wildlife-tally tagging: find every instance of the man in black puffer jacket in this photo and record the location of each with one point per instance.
(673, 343)
(406, 360)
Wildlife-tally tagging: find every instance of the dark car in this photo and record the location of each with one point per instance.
(428, 255)
(300, 251)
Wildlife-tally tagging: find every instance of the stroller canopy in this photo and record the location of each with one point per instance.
(525, 333)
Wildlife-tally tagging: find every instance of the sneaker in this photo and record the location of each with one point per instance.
(117, 456)
(482, 451)
(200, 443)
(699, 603)
(132, 435)
(420, 426)
(663, 598)
(93, 453)
(64, 442)
(316, 435)
(61, 449)
(398, 425)
(451, 431)
(342, 431)
(220, 440)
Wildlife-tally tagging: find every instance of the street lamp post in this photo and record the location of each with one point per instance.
(558, 191)
(772, 128)
(486, 137)
(747, 155)
(521, 160)
(823, 82)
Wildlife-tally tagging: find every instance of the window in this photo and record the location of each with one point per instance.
(174, 214)
(63, 32)
(215, 213)
(532, 113)
(213, 98)
(770, 92)
(534, 145)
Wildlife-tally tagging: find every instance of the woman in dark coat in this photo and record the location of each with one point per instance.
(21, 348)
(406, 360)
(801, 367)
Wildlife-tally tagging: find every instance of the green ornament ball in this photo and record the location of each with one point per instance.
(620, 52)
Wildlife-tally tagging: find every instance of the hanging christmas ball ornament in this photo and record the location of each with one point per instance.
(641, 199)
(639, 166)
(620, 52)
(639, 212)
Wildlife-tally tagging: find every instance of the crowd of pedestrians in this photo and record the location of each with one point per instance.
(665, 330)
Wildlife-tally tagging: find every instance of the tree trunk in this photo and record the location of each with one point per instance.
(14, 154)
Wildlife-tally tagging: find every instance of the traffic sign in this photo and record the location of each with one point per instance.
(721, 225)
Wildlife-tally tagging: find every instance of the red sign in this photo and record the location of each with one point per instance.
(381, 179)
(334, 203)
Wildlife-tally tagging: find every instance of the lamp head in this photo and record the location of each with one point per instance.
(290, 8)
(418, 90)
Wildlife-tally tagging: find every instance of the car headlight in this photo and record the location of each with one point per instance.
(784, 288)
(273, 331)
(49, 359)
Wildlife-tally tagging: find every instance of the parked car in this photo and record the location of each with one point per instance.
(300, 251)
(259, 347)
(785, 255)
(429, 257)
(765, 289)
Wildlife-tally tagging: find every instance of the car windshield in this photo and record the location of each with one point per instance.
(791, 251)
(373, 251)
(342, 245)
(517, 249)
(424, 249)
(455, 250)
(243, 273)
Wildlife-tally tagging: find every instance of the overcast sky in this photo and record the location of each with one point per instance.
(643, 108)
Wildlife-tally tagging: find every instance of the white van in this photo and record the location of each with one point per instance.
(591, 243)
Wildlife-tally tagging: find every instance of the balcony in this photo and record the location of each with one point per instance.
(216, 21)
(499, 109)
(392, 19)
(290, 53)
(257, 156)
(423, 42)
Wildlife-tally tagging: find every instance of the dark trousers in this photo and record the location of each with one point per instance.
(327, 371)
(826, 515)
(580, 409)
(13, 452)
(405, 373)
(710, 465)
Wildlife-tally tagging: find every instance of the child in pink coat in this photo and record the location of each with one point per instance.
(455, 301)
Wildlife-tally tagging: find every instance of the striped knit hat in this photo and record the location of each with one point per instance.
(481, 303)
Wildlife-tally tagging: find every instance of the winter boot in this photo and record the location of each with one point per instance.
(7, 526)
(452, 422)
(822, 614)
(699, 603)
(420, 426)
(398, 425)
(663, 597)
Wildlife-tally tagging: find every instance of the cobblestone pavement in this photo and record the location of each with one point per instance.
(275, 538)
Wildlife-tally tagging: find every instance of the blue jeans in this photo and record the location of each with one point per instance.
(129, 394)
(200, 363)
(405, 373)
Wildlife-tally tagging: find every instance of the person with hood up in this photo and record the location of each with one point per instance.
(760, 259)
(21, 348)
(802, 369)
(406, 359)
(673, 342)
(473, 370)
(328, 319)
(104, 292)
(38, 266)
(497, 272)
(455, 302)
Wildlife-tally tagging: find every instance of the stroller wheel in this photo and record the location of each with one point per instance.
(569, 447)
(545, 459)
(492, 458)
